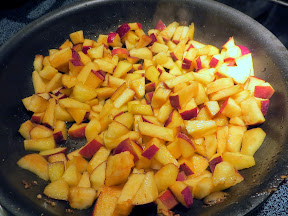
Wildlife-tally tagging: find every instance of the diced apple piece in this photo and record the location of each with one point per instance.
(139, 109)
(167, 199)
(160, 96)
(186, 145)
(156, 131)
(81, 198)
(77, 130)
(181, 98)
(90, 148)
(25, 129)
(40, 144)
(107, 201)
(166, 177)
(251, 113)
(60, 132)
(252, 140)
(225, 93)
(214, 161)
(238, 160)
(179, 79)
(150, 152)
(230, 108)
(125, 97)
(183, 193)
(124, 204)
(49, 152)
(35, 163)
(77, 37)
(224, 176)
(38, 83)
(235, 135)
(219, 84)
(118, 168)
(147, 192)
(222, 137)
(100, 156)
(60, 60)
(160, 25)
(122, 68)
(203, 188)
(71, 103)
(57, 190)
(168, 32)
(264, 91)
(97, 177)
(200, 128)
(141, 53)
(56, 170)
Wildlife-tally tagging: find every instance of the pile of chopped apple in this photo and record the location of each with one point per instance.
(166, 118)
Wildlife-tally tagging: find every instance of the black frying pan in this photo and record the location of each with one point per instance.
(215, 23)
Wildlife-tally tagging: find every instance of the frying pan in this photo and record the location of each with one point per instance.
(214, 22)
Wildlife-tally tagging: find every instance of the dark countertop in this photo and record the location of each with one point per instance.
(274, 17)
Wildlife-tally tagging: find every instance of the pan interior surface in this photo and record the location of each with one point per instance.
(214, 23)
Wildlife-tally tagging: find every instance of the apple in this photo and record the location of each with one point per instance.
(160, 25)
(186, 138)
(75, 55)
(99, 73)
(181, 176)
(264, 91)
(174, 100)
(90, 149)
(186, 169)
(150, 152)
(244, 50)
(214, 61)
(77, 47)
(149, 96)
(122, 53)
(264, 106)
(77, 131)
(168, 199)
(214, 162)
(85, 49)
(189, 114)
(186, 64)
(76, 62)
(173, 56)
(187, 194)
(123, 30)
(37, 118)
(190, 46)
(48, 153)
(229, 43)
(198, 64)
(58, 137)
(150, 87)
(154, 39)
(126, 145)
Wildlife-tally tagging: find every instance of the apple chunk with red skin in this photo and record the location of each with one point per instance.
(214, 162)
(126, 145)
(122, 53)
(186, 169)
(90, 149)
(150, 152)
(77, 131)
(123, 30)
(168, 199)
(264, 91)
(160, 25)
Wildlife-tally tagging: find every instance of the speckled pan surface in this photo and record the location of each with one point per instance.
(214, 22)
